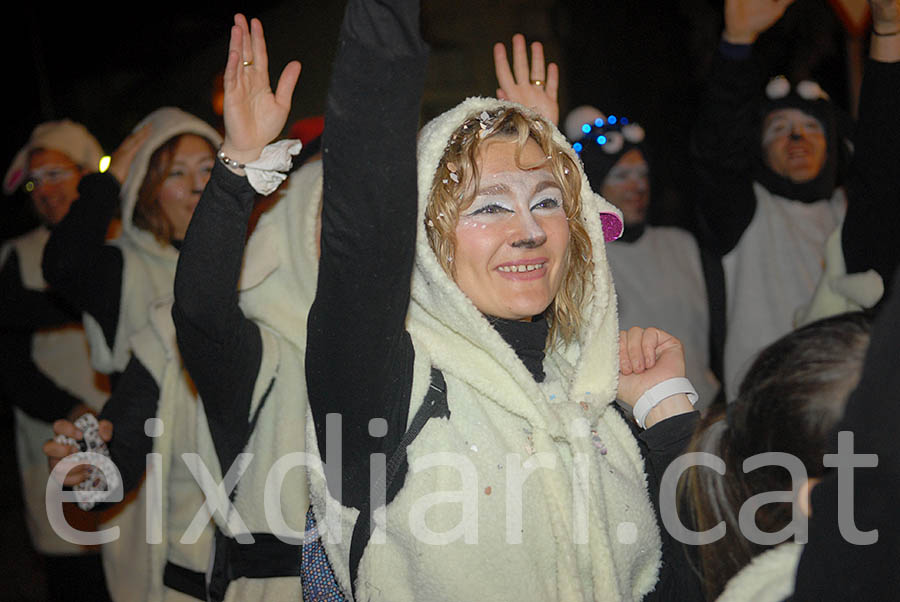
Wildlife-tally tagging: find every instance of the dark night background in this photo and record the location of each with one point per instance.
(108, 65)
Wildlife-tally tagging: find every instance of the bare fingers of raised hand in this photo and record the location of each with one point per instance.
(287, 82)
(552, 84)
(520, 66)
(538, 71)
(501, 67)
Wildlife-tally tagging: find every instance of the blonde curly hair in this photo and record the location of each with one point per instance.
(455, 185)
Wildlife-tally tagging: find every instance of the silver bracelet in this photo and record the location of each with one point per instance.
(229, 162)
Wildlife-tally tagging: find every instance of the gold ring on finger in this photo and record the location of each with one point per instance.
(538, 82)
(248, 63)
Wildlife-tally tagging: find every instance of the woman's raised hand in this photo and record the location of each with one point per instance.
(123, 156)
(254, 116)
(648, 357)
(535, 85)
(57, 452)
(746, 19)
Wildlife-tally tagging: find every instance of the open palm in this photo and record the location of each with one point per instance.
(254, 115)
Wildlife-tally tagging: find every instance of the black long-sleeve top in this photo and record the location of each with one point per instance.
(22, 313)
(78, 263)
(221, 348)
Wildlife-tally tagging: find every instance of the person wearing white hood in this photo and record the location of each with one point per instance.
(45, 371)
(124, 288)
(464, 327)
(370, 350)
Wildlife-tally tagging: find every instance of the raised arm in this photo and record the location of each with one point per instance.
(359, 357)
(725, 137)
(873, 183)
(221, 348)
(77, 263)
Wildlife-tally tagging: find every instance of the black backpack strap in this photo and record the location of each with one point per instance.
(714, 276)
(434, 406)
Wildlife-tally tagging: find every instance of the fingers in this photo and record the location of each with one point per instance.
(552, 87)
(258, 54)
(234, 58)
(538, 70)
(287, 82)
(244, 49)
(624, 361)
(520, 59)
(501, 67)
(649, 343)
(64, 427)
(635, 348)
(639, 348)
(56, 453)
(105, 428)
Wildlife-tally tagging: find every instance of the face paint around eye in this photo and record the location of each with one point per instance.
(511, 242)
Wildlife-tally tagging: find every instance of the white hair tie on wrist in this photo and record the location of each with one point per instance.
(660, 391)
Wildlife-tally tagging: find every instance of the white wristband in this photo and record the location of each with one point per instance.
(655, 394)
(265, 174)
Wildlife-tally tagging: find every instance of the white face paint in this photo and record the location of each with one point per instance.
(512, 239)
(794, 144)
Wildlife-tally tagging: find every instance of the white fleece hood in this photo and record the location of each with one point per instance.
(166, 123)
(596, 374)
(467, 525)
(148, 266)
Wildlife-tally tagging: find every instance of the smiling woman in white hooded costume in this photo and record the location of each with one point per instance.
(464, 331)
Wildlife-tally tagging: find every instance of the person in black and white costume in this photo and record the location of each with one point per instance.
(45, 369)
(768, 173)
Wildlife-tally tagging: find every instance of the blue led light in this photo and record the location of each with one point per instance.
(586, 128)
(577, 146)
(624, 121)
(601, 140)
(599, 122)
(612, 119)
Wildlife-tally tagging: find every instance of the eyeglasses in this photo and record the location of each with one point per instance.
(48, 175)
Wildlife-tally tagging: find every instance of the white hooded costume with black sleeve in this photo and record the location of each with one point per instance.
(466, 524)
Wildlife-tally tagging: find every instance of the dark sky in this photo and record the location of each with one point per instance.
(109, 65)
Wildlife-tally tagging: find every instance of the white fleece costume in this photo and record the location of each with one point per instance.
(777, 263)
(148, 272)
(277, 286)
(168, 484)
(61, 354)
(580, 529)
(148, 266)
(768, 578)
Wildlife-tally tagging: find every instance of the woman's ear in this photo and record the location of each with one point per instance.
(803, 495)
